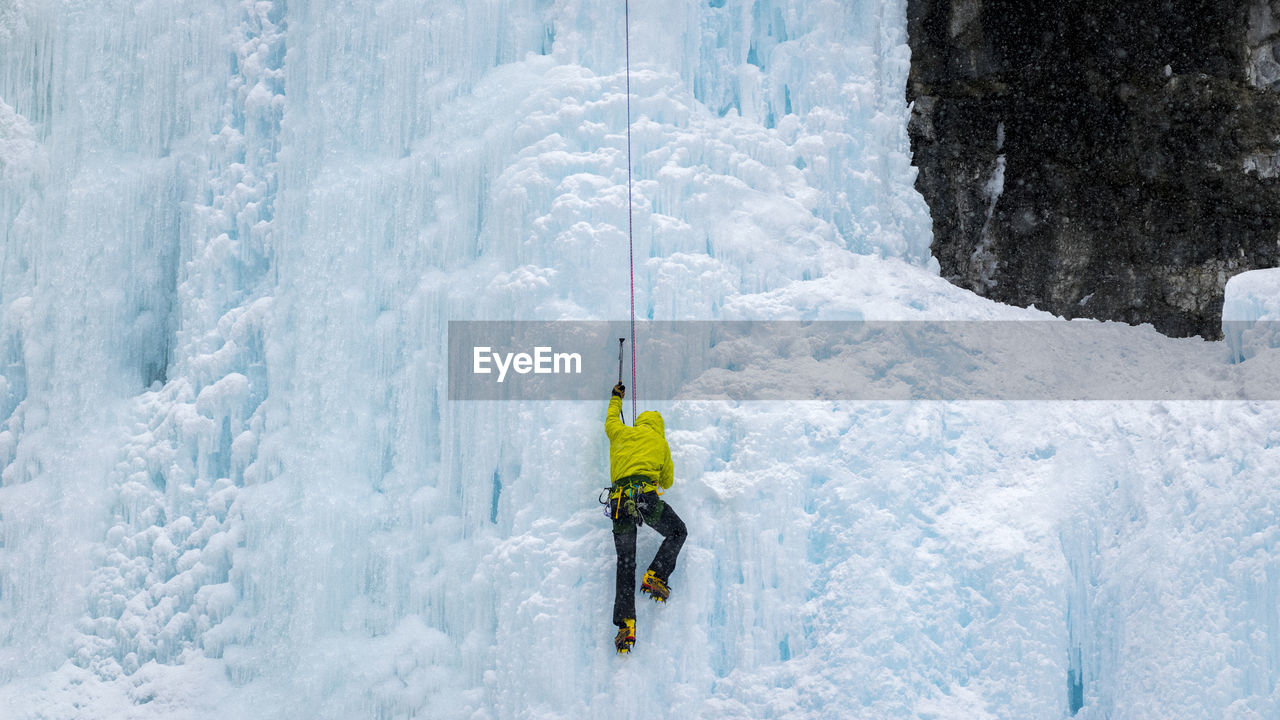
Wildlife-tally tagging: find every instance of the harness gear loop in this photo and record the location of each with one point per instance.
(624, 493)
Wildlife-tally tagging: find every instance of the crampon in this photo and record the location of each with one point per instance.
(655, 588)
(626, 637)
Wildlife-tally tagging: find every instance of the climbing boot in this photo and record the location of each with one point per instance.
(655, 588)
(626, 637)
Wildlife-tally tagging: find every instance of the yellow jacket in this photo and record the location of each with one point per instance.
(639, 450)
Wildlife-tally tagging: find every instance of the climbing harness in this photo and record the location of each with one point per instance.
(624, 502)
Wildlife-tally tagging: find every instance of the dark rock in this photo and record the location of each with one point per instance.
(1100, 159)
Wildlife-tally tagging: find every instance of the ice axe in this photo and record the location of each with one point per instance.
(621, 341)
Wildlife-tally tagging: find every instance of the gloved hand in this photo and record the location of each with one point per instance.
(620, 390)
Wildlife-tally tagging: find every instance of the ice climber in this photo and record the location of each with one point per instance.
(639, 469)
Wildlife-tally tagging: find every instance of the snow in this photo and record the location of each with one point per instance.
(1251, 314)
(234, 485)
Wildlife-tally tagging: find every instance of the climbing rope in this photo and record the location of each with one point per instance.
(631, 245)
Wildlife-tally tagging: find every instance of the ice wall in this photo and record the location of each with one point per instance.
(1251, 313)
(233, 486)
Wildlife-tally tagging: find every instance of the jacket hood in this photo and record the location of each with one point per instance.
(652, 420)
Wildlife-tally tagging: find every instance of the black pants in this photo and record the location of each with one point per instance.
(663, 519)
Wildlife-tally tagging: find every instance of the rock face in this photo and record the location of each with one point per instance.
(1097, 158)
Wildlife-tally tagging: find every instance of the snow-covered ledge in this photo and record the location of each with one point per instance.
(1251, 313)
